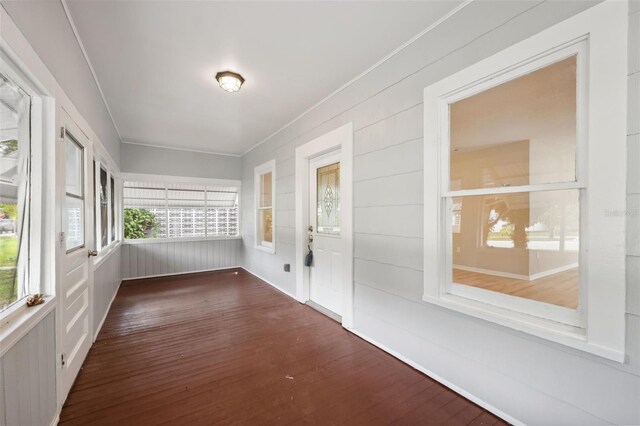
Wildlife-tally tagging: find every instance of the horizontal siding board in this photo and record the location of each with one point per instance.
(398, 251)
(400, 221)
(403, 189)
(403, 282)
(405, 157)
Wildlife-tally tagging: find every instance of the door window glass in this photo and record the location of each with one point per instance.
(328, 199)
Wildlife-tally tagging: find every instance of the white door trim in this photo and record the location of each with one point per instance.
(338, 139)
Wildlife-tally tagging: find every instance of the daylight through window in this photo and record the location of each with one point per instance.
(160, 210)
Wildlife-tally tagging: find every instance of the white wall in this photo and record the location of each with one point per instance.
(28, 384)
(176, 257)
(175, 162)
(527, 378)
(28, 378)
(107, 277)
(46, 27)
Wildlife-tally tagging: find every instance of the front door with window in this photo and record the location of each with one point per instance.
(76, 239)
(326, 280)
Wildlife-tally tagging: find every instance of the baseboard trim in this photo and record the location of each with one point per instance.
(104, 318)
(491, 272)
(271, 284)
(553, 271)
(516, 276)
(182, 273)
(504, 416)
(413, 364)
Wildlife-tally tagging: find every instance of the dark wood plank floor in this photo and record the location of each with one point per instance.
(226, 348)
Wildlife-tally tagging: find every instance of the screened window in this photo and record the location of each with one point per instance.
(264, 176)
(15, 109)
(166, 210)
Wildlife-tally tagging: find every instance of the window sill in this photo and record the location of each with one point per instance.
(180, 240)
(563, 334)
(105, 253)
(270, 250)
(19, 319)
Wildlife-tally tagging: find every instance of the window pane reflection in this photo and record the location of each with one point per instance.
(522, 132)
(522, 244)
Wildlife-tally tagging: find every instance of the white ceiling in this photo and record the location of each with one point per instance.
(156, 61)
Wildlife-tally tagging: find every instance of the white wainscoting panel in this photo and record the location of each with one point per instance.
(28, 378)
(178, 257)
(106, 281)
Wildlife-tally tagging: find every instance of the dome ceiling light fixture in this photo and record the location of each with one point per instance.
(229, 81)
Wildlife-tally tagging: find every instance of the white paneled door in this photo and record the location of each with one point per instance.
(326, 272)
(75, 242)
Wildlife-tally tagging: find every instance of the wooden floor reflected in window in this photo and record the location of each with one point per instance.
(559, 289)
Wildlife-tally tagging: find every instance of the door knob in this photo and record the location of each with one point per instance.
(93, 253)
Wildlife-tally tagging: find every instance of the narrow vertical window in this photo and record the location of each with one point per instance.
(265, 200)
(112, 186)
(328, 202)
(104, 209)
(74, 164)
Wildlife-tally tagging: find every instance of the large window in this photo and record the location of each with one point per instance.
(521, 152)
(14, 191)
(512, 154)
(179, 210)
(264, 177)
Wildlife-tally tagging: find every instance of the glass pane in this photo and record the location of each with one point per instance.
(75, 222)
(113, 209)
(265, 226)
(518, 133)
(104, 206)
(73, 167)
(265, 190)
(328, 199)
(145, 214)
(144, 222)
(522, 244)
(14, 154)
(186, 222)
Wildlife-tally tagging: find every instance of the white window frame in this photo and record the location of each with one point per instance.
(598, 36)
(166, 179)
(268, 167)
(102, 163)
(16, 319)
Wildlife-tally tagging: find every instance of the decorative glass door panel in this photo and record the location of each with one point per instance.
(328, 199)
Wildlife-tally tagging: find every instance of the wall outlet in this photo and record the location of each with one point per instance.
(287, 267)
(457, 249)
